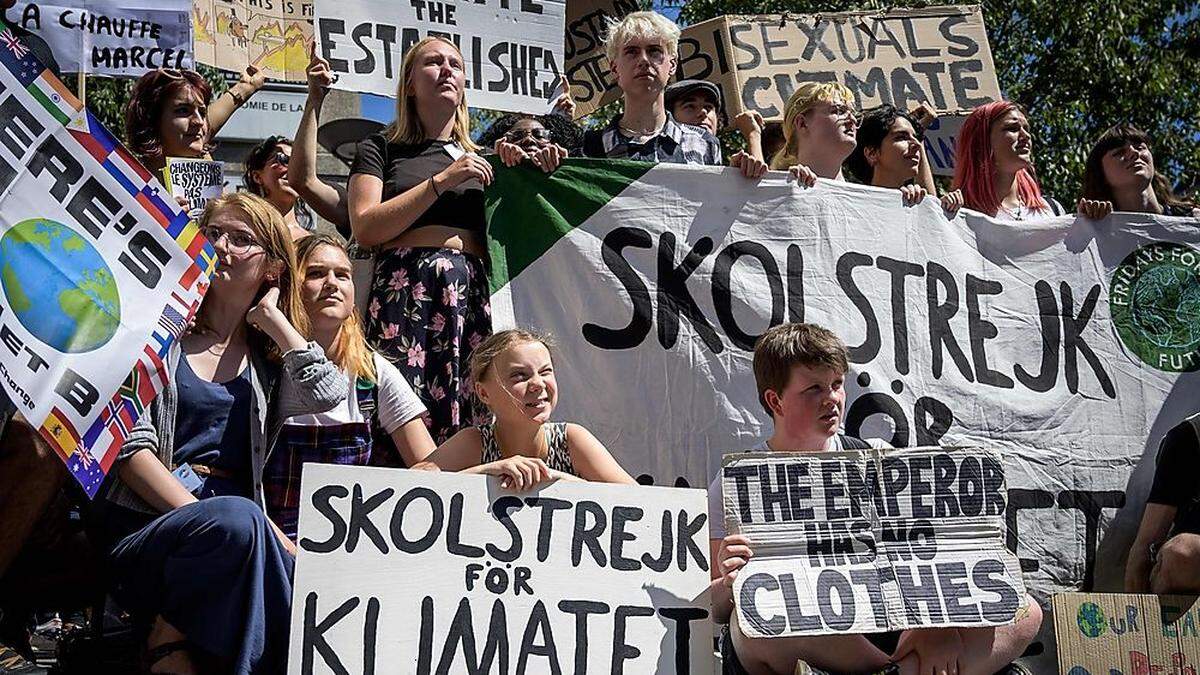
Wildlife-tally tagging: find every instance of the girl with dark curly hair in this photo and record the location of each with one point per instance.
(171, 113)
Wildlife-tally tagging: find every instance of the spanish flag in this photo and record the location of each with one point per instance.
(59, 432)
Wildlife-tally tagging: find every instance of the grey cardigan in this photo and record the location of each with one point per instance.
(318, 384)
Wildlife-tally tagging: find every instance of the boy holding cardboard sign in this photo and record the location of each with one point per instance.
(799, 370)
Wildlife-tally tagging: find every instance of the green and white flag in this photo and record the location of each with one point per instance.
(1072, 345)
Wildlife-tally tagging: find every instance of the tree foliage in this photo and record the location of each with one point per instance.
(1077, 67)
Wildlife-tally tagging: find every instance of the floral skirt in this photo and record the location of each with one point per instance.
(427, 310)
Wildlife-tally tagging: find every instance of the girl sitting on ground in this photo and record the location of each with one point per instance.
(514, 377)
(380, 423)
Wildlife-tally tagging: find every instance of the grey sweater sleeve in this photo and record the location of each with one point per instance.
(316, 381)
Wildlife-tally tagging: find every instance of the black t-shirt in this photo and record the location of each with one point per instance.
(402, 166)
(1177, 476)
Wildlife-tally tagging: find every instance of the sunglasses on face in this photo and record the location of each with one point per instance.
(282, 158)
(518, 135)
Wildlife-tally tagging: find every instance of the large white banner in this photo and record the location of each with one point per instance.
(1068, 345)
(513, 50)
(414, 572)
(121, 38)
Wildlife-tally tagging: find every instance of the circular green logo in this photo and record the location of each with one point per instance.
(58, 285)
(1155, 301)
(1091, 620)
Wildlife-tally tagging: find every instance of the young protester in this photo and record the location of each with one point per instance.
(642, 50)
(379, 423)
(695, 102)
(890, 152)
(1120, 175)
(819, 124)
(327, 199)
(266, 175)
(800, 370)
(171, 113)
(514, 377)
(1165, 557)
(993, 166)
(545, 140)
(416, 191)
(189, 546)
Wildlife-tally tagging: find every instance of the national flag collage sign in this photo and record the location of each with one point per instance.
(100, 271)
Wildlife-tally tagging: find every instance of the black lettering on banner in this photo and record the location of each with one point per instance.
(366, 63)
(1047, 377)
(621, 650)
(770, 45)
(321, 500)
(328, 28)
(952, 578)
(502, 510)
(899, 271)
(772, 496)
(869, 349)
(663, 561)
(539, 622)
(832, 491)
(748, 58)
(855, 29)
(1073, 342)
(454, 545)
(688, 531)
(548, 505)
(674, 298)
(435, 525)
(462, 632)
(965, 45)
(642, 320)
(993, 486)
(931, 70)
(741, 481)
(797, 620)
(93, 207)
(918, 586)
(582, 609)
(869, 579)
(313, 635)
(910, 38)
(1004, 608)
(588, 535)
(815, 40)
(56, 160)
(19, 128)
(683, 618)
(77, 392)
(964, 84)
(940, 312)
(945, 502)
(980, 330)
(874, 86)
(829, 581)
(1092, 504)
(879, 26)
(145, 258)
(618, 536)
(722, 291)
(360, 518)
(919, 487)
(747, 603)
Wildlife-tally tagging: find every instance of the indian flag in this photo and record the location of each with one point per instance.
(54, 97)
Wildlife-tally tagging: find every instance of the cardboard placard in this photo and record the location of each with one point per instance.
(870, 541)
(419, 572)
(119, 38)
(512, 51)
(196, 180)
(934, 55)
(588, 74)
(271, 35)
(1114, 633)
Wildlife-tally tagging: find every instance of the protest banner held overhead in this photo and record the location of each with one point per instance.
(271, 35)
(513, 52)
(196, 180)
(1125, 633)
(871, 541)
(967, 331)
(572, 577)
(119, 38)
(99, 269)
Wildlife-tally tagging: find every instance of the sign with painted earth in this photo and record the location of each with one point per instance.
(1155, 298)
(58, 285)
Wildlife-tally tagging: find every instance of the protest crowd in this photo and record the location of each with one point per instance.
(194, 531)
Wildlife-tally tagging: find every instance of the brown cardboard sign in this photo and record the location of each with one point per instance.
(591, 80)
(1115, 633)
(934, 55)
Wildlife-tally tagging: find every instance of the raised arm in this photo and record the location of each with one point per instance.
(221, 109)
(327, 200)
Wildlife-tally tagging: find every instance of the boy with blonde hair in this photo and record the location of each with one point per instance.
(800, 371)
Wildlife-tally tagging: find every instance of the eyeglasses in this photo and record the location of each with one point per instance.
(239, 243)
(518, 135)
(282, 158)
(842, 110)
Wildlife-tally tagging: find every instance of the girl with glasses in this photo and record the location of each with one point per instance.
(416, 192)
(544, 140)
(819, 125)
(190, 548)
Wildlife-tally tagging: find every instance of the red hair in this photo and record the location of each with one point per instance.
(144, 110)
(975, 166)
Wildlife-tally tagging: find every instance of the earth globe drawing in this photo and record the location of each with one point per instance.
(1166, 307)
(1091, 620)
(58, 286)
